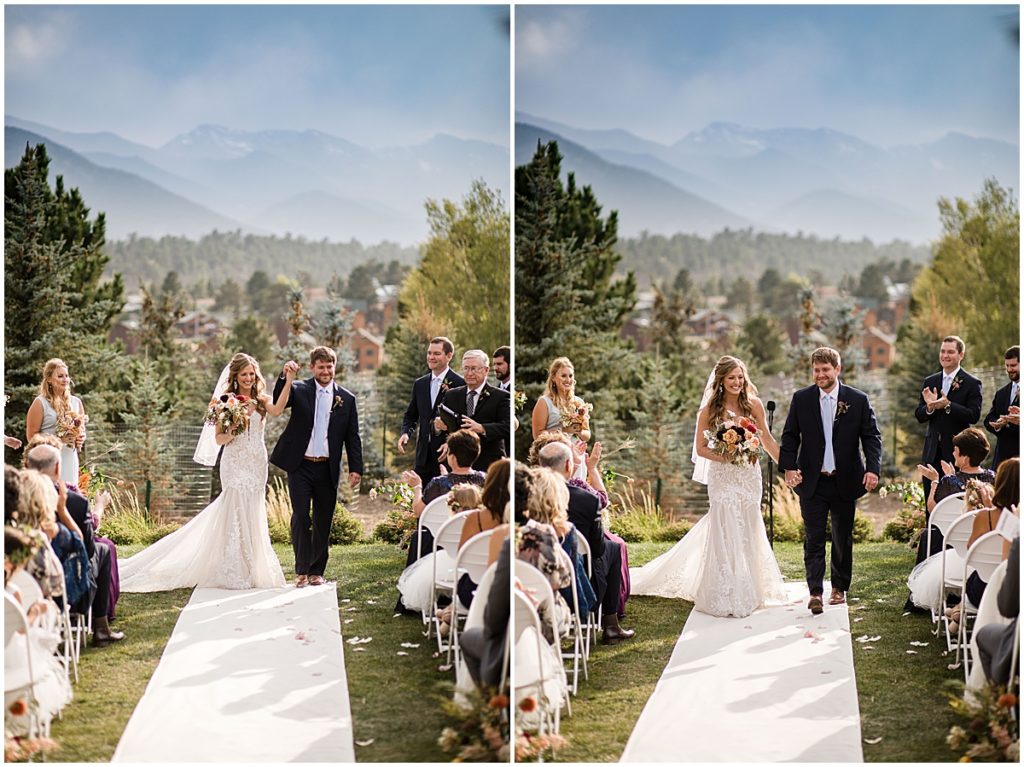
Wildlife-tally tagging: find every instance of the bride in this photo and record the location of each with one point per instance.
(725, 564)
(226, 545)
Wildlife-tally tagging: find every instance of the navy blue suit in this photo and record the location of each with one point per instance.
(420, 415)
(315, 482)
(803, 448)
(1008, 437)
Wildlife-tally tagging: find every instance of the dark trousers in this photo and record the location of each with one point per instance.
(98, 600)
(311, 482)
(606, 578)
(815, 512)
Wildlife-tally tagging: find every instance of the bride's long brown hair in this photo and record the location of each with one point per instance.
(716, 405)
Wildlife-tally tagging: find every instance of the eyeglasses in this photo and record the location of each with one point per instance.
(473, 368)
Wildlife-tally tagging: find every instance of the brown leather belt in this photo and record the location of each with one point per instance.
(828, 473)
(317, 459)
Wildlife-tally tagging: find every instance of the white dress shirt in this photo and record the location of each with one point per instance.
(435, 385)
(318, 447)
(947, 380)
(828, 401)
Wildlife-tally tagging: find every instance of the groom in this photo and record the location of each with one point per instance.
(828, 425)
(323, 419)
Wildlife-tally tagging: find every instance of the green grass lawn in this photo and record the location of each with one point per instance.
(902, 697)
(395, 698)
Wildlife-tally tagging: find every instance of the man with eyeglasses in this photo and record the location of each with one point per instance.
(480, 408)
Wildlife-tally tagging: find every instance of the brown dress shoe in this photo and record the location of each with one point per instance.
(815, 605)
(301, 581)
(612, 631)
(838, 597)
(316, 580)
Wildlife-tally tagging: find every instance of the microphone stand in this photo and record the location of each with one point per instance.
(771, 480)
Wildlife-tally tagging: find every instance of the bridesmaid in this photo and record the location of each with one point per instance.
(560, 397)
(55, 411)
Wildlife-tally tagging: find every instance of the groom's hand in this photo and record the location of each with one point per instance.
(870, 481)
(793, 477)
(402, 442)
(354, 479)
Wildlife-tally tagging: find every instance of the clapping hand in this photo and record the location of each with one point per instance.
(412, 479)
(1013, 416)
(594, 458)
(12, 442)
(928, 472)
(948, 469)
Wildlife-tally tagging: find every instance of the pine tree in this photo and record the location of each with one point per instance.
(149, 459)
(567, 302)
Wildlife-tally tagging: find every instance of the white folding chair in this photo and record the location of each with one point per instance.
(983, 557)
(945, 513)
(21, 681)
(531, 669)
(535, 581)
(956, 537)
(446, 539)
(475, 618)
(434, 514)
(592, 624)
(470, 559)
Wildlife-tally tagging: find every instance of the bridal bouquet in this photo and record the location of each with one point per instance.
(574, 415)
(70, 426)
(736, 440)
(228, 413)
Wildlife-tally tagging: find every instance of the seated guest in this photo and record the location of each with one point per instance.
(994, 503)
(46, 460)
(51, 691)
(490, 516)
(995, 641)
(44, 566)
(483, 647)
(970, 448)
(585, 513)
(416, 580)
(38, 499)
(540, 545)
(593, 484)
(102, 502)
(463, 450)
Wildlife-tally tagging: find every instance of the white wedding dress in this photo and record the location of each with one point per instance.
(227, 544)
(725, 564)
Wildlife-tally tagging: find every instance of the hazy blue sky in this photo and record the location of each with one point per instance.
(890, 75)
(375, 75)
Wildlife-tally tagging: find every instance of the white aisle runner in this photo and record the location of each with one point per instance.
(756, 689)
(247, 676)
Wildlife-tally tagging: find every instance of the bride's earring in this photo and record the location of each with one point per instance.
(721, 388)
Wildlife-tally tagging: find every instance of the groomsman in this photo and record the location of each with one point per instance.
(501, 362)
(427, 392)
(481, 408)
(1001, 421)
(950, 401)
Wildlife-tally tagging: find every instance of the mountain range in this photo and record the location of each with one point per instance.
(306, 183)
(817, 181)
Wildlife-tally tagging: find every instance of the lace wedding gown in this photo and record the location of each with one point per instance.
(226, 545)
(725, 564)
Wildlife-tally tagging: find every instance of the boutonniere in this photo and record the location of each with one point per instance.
(337, 403)
(956, 384)
(841, 407)
(443, 389)
(485, 394)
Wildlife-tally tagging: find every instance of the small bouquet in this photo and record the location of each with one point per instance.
(519, 399)
(70, 426)
(575, 415)
(735, 440)
(228, 413)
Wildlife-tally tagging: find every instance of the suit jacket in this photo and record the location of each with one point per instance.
(1008, 437)
(78, 508)
(803, 441)
(342, 429)
(964, 409)
(585, 514)
(493, 412)
(421, 413)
